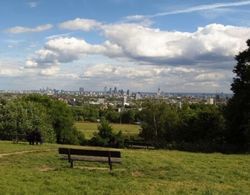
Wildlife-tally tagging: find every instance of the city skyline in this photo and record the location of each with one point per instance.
(182, 46)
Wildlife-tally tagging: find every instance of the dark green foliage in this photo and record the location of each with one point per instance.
(129, 116)
(86, 113)
(159, 122)
(112, 116)
(19, 118)
(201, 126)
(238, 109)
(106, 136)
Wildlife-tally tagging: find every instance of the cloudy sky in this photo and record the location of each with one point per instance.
(179, 46)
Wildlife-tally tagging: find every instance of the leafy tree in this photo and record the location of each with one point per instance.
(128, 116)
(201, 124)
(86, 112)
(111, 115)
(238, 109)
(61, 118)
(52, 117)
(159, 122)
(106, 136)
(19, 119)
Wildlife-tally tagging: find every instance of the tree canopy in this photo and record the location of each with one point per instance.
(238, 110)
(54, 119)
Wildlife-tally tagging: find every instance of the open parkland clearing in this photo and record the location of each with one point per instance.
(88, 128)
(38, 169)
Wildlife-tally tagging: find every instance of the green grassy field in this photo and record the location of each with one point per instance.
(141, 172)
(89, 128)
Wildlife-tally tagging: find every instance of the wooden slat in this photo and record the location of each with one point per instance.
(85, 152)
(93, 159)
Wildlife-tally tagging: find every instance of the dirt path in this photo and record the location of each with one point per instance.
(24, 152)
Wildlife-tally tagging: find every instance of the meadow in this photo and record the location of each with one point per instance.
(38, 169)
(88, 128)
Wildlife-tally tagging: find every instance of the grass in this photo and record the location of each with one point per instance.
(89, 128)
(141, 172)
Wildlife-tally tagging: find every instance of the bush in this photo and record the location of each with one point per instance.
(106, 137)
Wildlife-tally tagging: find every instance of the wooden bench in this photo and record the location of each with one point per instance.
(108, 156)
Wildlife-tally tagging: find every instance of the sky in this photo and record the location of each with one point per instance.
(177, 46)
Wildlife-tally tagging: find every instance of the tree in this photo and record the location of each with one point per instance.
(238, 109)
(159, 122)
(53, 118)
(18, 120)
(61, 117)
(106, 137)
(201, 124)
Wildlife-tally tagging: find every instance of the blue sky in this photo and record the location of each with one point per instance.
(177, 45)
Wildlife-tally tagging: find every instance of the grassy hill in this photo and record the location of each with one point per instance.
(28, 169)
(89, 128)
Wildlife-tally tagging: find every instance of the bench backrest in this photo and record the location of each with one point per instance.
(86, 152)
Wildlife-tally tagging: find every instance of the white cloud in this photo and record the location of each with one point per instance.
(150, 77)
(80, 24)
(148, 57)
(50, 71)
(60, 50)
(130, 72)
(21, 29)
(33, 4)
(215, 46)
(210, 76)
(213, 43)
(9, 68)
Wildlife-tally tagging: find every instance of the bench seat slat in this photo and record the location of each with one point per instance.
(93, 159)
(86, 152)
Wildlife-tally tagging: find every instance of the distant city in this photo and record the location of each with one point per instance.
(101, 97)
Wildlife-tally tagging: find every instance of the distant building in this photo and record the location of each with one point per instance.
(115, 90)
(81, 90)
(159, 92)
(101, 101)
(180, 105)
(125, 100)
(210, 101)
(138, 96)
(105, 90)
(128, 92)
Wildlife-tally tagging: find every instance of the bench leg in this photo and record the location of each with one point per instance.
(109, 161)
(71, 164)
(110, 166)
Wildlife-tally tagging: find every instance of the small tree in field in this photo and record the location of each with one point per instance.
(238, 109)
(106, 137)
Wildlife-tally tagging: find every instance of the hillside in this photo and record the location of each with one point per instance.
(28, 169)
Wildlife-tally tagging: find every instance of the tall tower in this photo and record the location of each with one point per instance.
(124, 100)
(105, 90)
(159, 92)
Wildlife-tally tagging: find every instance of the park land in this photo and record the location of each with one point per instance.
(37, 169)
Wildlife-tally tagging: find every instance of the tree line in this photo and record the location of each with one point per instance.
(53, 119)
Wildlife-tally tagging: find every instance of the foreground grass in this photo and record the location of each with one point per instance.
(141, 172)
(89, 128)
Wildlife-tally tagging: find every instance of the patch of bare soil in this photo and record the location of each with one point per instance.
(45, 168)
(23, 152)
